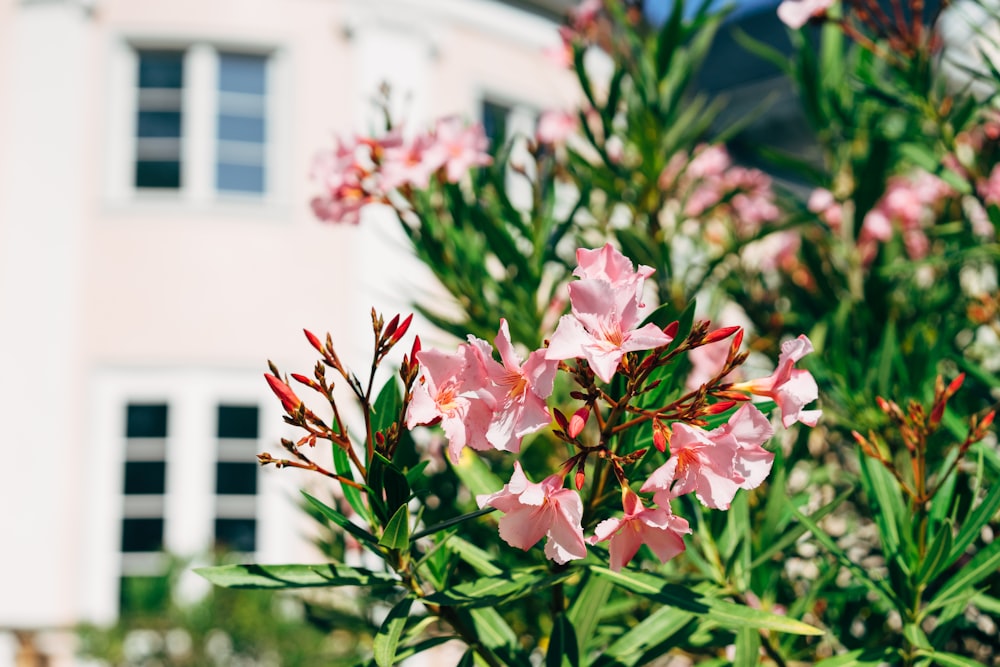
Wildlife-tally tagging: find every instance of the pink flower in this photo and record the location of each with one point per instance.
(611, 266)
(789, 387)
(605, 314)
(715, 464)
(457, 148)
(533, 511)
(519, 391)
(657, 528)
(796, 13)
(555, 127)
(407, 164)
(822, 203)
(750, 428)
(450, 391)
(697, 463)
(989, 189)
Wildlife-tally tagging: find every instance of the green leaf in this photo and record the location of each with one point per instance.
(790, 536)
(475, 474)
(293, 576)
(480, 561)
(387, 638)
(655, 630)
(859, 658)
(951, 659)
(747, 647)
(974, 522)
(727, 614)
(387, 406)
(496, 590)
(983, 564)
(444, 525)
(877, 586)
(397, 532)
(333, 515)
(563, 649)
(936, 558)
(583, 613)
(342, 464)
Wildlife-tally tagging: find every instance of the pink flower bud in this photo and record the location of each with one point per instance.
(578, 421)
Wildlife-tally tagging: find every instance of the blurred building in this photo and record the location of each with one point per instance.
(156, 247)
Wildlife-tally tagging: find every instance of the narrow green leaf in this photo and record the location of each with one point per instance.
(444, 525)
(563, 649)
(937, 555)
(491, 628)
(342, 464)
(496, 590)
(397, 532)
(974, 522)
(727, 614)
(791, 535)
(989, 604)
(388, 405)
(951, 659)
(387, 638)
(877, 586)
(480, 561)
(983, 564)
(916, 636)
(747, 647)
(341, 520)
(583, 614)
(656, 629)
(475, 474)
(468, 659)
(859, 658)
(293, 576)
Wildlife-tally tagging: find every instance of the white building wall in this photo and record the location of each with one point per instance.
(108, 295)
(43, 181)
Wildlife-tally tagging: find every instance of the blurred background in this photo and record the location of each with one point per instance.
(156, 246)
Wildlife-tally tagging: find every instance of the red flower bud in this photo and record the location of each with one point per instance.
(579, 479)
(661, 435)
(734, 347)
(671, 329)
(403, 327)
(289, 400)
(718, 334)
(311, 337)
(560, 419)
(719, 408)
(391, 327)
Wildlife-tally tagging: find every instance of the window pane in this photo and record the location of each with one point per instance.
(145, 477)
(240, 177)
(146, 420)
(240, 73)
(238, 421)
(495, 122)
(159, 123)
(234, 477)
(142, 534)
(158, 174)
(241, 128)
(236, 534)
(161, 69)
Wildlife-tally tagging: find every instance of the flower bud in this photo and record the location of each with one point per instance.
(578, 421)
(289, 400)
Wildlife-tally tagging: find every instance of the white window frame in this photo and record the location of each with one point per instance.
(199, 136)
(190, 502)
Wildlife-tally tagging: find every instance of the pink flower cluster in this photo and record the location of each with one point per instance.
(710, 185)
(362, 171)
(796, 13)
(484, 404)
(909, 204)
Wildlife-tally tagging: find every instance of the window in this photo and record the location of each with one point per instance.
(236, 477)
(145, 483)
(202, 122)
